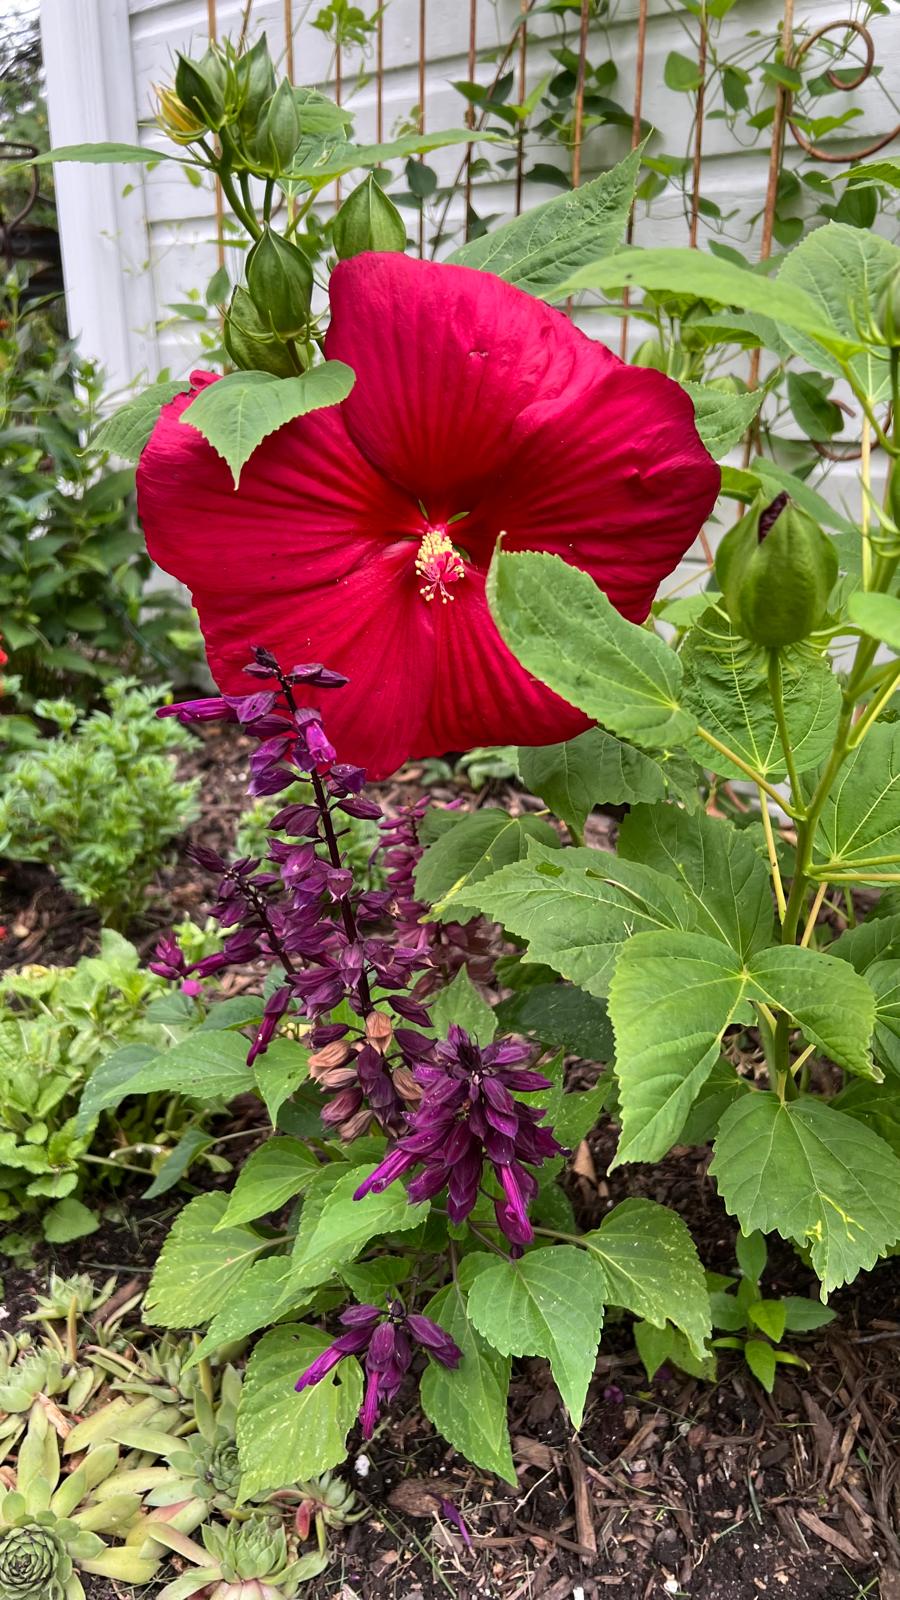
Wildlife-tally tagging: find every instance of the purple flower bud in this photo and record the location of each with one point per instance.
(359, 806)
(169, 959)
(250, 707)
(212, 709)
(411, 1010)
(434, 1339)
(320, 677)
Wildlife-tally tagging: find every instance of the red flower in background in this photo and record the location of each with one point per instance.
(361, 535)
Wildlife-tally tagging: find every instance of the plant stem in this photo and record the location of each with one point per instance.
(813, 914)
(744, 766)
(773, 853)
(776, 690)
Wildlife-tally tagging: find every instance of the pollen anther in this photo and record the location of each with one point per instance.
(440, 564)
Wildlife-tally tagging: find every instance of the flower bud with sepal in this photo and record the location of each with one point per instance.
(255, 77)
(278, 134)
(201, 87)
(279, 280)
(250, 342)
(777, 569)
(368, 220)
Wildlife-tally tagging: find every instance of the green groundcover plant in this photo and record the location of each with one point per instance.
(733, 967)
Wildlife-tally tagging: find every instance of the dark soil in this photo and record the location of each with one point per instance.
(712, 1491)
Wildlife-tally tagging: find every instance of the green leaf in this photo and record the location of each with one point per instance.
(714, 862)
(576, 908)
(804, 1316)
(842, 271)
(461, 1003)
(671, 998)
(674, 994)
(279, 1072)
(876, 939)
(108, 1081)
(877, 615)
(861, 817)
(560, 1017)
(540, 250)
(656, 1346)
(726, 688)
(468, 1403)
(199, 1269)
(345, 1225)
(101, 155)
(369, 1281)
(681, 73)
(126, 432)
(722, 418)
(769, 1316)
(563, 628)
(471, 850)
(652, 1268)
(884, 978)
(812, 1174)
(752, 1255)
(760, 1358)
(323, 160)
(262, 1296)
(708, 277)
(875, 1104)
(191, 1144)
(235, 414)
(550, 1303)
(284, 1437)
(595, 768)
(208, 1066)
(69, 1220)
(274, 1173)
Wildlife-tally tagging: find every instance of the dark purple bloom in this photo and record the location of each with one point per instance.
(467, 1118)
(169, 960)
(454, 1515)
(388, 1338)
(213, 709)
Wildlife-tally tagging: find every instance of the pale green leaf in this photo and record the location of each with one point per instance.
(198, 1269)
(877, 615)
(467, 1404)
(345, 1225)
(562, 628)
(595, 768)
(461, 1003)
(816, 1176)
(861, 817)
(273, 1174)
(722, 417)
(126, 432)
(769, 1315)
(472, 849)
(235, 414)
(284, 1436)
(103, 155)
(550, 1303)
(541, 249)
(262, 1296)
(652, 1268)
(281, 1070)
(320, 161)
(760, 1358)
(842, 270)
(69, 1219)
(208, 1066)
(833, 1005)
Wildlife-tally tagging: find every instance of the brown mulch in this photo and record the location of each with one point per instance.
(713, 1491)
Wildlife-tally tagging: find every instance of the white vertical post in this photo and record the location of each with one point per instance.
(105, 244)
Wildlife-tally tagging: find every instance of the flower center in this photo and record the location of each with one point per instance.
(438, 564)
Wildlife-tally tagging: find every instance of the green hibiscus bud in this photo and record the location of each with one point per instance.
(280, 279)
(250, 343)
(201, 86)
(279, 132)
(34, 1564)
(777, 569)
(367, 220)
(256, 82)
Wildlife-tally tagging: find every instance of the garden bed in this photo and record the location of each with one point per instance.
(711, 1490)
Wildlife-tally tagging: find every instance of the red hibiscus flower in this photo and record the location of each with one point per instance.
(361, 535)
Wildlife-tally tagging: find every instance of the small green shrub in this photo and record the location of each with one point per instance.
(100, 802)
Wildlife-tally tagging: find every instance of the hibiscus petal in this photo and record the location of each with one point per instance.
(481, 694)
(445, 359)
(612, 476)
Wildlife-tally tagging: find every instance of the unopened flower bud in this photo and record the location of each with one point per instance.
(406, 1086)
(279, 278)
(255, 76)
(777, 569)
(250, 343)
(200, 86)
(379, 1030)
(180, 124)
(367, 220)
(279, 132)
(331, 1055)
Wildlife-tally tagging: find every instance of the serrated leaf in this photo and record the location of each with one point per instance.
(273, 1174)
(468, 1403)
(726, 688)
(579, 1111)
(540, 250)
(206, 1066)
(321, 160)
(594, 769)
(842, 270)
(708, 277)
(875, 1104)
(460, 1003)
(652, 1268)
(560, 1017)
(199, 1269)
(861, 817)
(283, 1436)
(279, 1072)
(262, 1296)
(126, 432)
(237, 412)
(345, 1225)
(550, 1303)
(576, 908)
(713, 861)
(812, 1174)
(722, 417)
(656, 1346)
(107, 1083)
(562, 627)
(474, 847)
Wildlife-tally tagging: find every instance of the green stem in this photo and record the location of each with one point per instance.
(744, 766)
(776, 690)
(231, 194)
